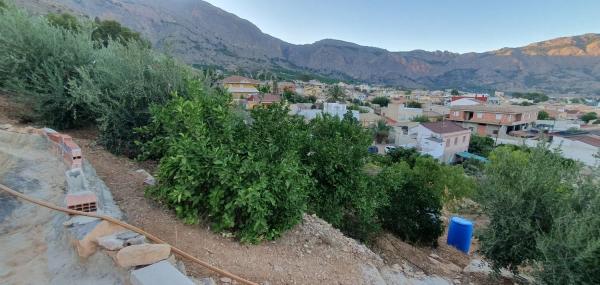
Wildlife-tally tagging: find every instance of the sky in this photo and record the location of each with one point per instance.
(402, 25)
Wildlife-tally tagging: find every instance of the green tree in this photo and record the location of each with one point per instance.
(522, 193)
(587, 117)
(336, 94)
(420, 119)
(237, 175)
(264, 89)
(454, 92)
(336, 151)
(415, 201)
(570, 252)
(543, 115)
(413, 104)
(381, 101)
(65, 21)
(381, 131)
(107, 30)
(481, 145)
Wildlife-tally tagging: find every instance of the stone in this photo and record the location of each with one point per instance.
(142, 254)
(110, 242)
(88, 244)
(225, 280)
(206, 281)
(158, 274)
(136, 240)
(127, 235)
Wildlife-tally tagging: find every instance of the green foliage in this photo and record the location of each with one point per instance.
(265, 89)
(587, 117)
(543, 115)
(415, 201)
(570, 252)
(381, 101)
(38, 60)
(421, 119)
(336, 94)
(2, 4)
(237, 175)
(70, 82)
(454, 92)
(481, 145)
(534, 96)
(65, 21)
(121, 85)
(336, 151)
(521, 193)
(292, 97)
(381, 131)
(109, 30)
(413, 104)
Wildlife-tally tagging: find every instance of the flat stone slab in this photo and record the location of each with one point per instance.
(159, 273)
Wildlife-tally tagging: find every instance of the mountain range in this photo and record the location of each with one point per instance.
(204, 35)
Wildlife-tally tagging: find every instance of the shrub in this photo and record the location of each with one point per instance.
(481, 145)
(238, 176)
(381, 101)
(120, 86)
(522, 193)
(38, 60)
(415, 201)
(336, 151)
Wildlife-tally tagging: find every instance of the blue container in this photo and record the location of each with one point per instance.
(460, 233)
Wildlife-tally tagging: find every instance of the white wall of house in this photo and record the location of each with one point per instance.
(465, 102)
(451, 143)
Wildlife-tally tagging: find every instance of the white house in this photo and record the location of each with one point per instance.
(443, 140)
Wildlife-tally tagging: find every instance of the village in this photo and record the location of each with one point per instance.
(438, 123)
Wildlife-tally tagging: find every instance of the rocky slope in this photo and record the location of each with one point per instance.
(202, 34)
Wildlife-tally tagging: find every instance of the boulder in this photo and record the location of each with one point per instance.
(142, 254)
(88, 244)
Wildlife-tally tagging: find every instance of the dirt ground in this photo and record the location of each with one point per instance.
(311, 253)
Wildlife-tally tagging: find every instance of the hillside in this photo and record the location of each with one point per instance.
(202, 34)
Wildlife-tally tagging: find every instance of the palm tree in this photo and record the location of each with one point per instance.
(335, 94)
(381, 131)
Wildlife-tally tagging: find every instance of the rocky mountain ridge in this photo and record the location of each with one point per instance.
(204, 35)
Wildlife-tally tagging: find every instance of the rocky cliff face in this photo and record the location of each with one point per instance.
(200, 33)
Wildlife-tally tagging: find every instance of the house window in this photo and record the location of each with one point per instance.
(455, 113)
(455, 140)
(498, 116)
(479, 115)
(510, 117)
(464, 138)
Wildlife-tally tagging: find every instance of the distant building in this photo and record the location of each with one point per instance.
(285, 86)
(333, 109)
(262, 100)
(241, 87)
(465, 102)
(494, 120)
(443, 140)
(369, 119)
(399, 113)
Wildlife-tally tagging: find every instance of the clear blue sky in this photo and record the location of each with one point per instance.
(401, 25)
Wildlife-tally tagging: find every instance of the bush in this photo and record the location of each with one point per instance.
(336, 151)
(214, 165)
(415, 201)
(522, 193)
(121, 85)
(38, 60)
(481, 145)
(381, 101)
(570, 253)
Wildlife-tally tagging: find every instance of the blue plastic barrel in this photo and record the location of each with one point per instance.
(460, 233)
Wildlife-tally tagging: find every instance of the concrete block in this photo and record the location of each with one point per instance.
(75, 181)
(142, 254)
(158, 274)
